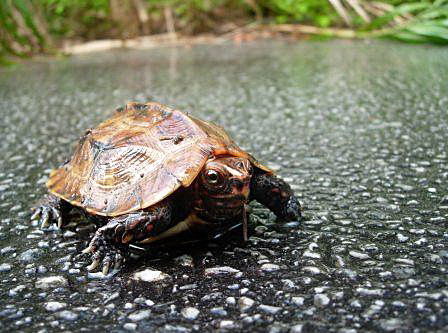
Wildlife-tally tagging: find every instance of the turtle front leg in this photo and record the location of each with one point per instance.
(111, 241)
(275, 194)
(50, 209)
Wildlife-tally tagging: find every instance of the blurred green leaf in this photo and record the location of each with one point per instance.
(429, 29)
(409, 8)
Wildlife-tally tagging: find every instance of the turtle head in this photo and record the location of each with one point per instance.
(224, 185)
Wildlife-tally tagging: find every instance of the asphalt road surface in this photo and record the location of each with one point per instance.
(358, 128)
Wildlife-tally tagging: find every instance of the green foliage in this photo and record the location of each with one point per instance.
(315, 12)
(77, 18)
(429, 23)
(32, 26)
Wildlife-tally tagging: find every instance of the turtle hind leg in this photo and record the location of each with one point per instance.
(275, 194)
(50, 209)
(108, 246)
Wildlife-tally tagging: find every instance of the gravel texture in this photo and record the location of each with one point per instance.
(359, 129)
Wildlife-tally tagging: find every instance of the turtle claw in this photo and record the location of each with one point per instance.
(103, 253)
(106, 267)
(45, 215)
(93, 265)
(88, 249)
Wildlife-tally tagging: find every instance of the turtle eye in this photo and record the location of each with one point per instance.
(212, 177)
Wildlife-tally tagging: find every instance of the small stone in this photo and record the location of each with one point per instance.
(405, 261)
(311, 269)
(16, 290)
(149, 275)
(139, 315)
(69, 234)
(297, 300)
(54, 306)
(359, 255)
(369, 292)
(8, 249)
(402, 238)
(245, 303)
(296, 329)
(67, 315)
(321, 300)
(288, 284)
(30, 255)
(391, 325)
(43, 244)
(269, 309)
(312, 255)
(220, 270)
(5, 267)
(128, 306)
(190, 313)
(51, 282)
(270, 267)
(184, 260)
(231, 300)
(356, 304)
(130, 326)
(444, 200)
(227, 324)
(219, 311)
(148, 302)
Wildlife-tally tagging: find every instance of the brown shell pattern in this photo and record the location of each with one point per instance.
(138, 157)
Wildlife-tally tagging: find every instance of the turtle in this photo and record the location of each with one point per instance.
(150, 172)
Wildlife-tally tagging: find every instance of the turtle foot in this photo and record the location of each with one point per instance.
(103, 253)
(48, 212)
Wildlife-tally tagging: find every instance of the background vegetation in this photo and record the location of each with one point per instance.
(34, 26)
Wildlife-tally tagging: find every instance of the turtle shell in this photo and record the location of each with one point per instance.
(138, 157)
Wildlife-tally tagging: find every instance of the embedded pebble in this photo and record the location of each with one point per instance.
(392, 325)
(220, 270)
(321, 300)
(16, 290)
(269, 309)
(402, 238)
(185, 260)
(54, 306)
(245, 303)
(296, 328)
(359, 255)
(369, 292)
(51, 282)
(219, 311)
(7, 250)
(139, 315)
(190, 313)
(67, 315)
(227, 324)
(30, 255)
(297, 300)
(5, 267)
(130, 326)
(149, 275)
(270, 267)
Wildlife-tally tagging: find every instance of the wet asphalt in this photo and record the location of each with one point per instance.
(359, 129)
